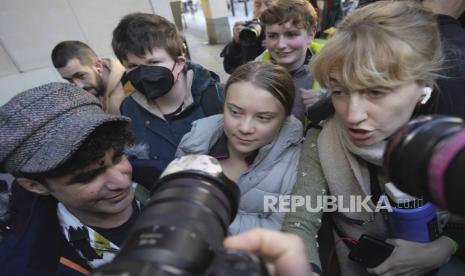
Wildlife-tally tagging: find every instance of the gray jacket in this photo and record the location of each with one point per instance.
(273, 171)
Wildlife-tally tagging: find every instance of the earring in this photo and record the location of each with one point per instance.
(426, 94)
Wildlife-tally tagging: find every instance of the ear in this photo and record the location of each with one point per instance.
(99, 66)
(426, 94)
(180, 63)
(33, 186)
(311, 35)
(181, 60)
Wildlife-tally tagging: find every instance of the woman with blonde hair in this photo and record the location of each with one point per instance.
(380, 68)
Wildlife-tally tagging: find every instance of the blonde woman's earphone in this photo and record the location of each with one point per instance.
(426, 94)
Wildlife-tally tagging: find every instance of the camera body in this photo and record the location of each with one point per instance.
(251, 33)
(182, 227)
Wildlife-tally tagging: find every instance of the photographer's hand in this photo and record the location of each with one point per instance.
(284, 252)
(238, 27)
(413, 258)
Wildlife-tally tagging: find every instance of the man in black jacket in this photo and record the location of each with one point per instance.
(236, 52)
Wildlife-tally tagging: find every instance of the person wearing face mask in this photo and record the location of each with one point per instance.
(171, 92)
(380, 67)
(256, 140)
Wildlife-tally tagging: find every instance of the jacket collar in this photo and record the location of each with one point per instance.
(303, 69)
(447, 19)
(116, 73)
(220, 150)
(207, 131)
(49, 244)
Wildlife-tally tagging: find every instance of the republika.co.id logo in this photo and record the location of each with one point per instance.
(325, 203)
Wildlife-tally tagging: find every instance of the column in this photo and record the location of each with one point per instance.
(216, 17)
(169, 9)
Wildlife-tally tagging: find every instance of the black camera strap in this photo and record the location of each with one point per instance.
(374, 183)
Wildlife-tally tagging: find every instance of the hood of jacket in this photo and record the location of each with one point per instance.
(206, 132)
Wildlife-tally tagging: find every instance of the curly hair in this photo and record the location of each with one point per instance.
(111, 135)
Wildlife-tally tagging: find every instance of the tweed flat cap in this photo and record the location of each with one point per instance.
(42, 127)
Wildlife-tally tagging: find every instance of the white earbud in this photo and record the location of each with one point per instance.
(426, 94)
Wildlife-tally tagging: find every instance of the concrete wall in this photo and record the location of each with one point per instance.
(29, 29)
(216, 17)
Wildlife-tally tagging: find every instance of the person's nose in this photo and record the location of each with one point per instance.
(119, 175)
(247, 126)
(281, 42)
(356, 110)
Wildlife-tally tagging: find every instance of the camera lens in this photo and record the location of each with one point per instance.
(409, 152)
(425, 154)
(446, 173)
(251, 33)
(188, 207)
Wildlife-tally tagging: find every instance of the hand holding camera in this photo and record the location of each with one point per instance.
(237, 28)
(247, 32)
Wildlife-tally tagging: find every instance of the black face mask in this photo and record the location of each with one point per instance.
(152, 81)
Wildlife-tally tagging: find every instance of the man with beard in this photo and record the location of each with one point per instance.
(77, 63)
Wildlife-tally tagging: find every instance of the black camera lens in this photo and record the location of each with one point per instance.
(251, 33)
(425, 154)
(446, 173)
(182, 226)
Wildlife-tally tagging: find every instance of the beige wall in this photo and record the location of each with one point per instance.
(29, 29)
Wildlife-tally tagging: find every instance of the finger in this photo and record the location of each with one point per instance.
(310, 100)
(286, 251)
(311, 94)
(389, 273)
(394, 242)
(416, 271)
(239, 23)
(382, 268)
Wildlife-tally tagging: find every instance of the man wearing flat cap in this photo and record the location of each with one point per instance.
(73, 203)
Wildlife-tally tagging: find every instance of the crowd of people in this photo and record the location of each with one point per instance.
(86, 154)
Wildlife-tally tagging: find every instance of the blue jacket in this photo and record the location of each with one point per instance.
(35, 244)
(163, 136)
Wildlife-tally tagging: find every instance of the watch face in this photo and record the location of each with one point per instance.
(202, 163)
